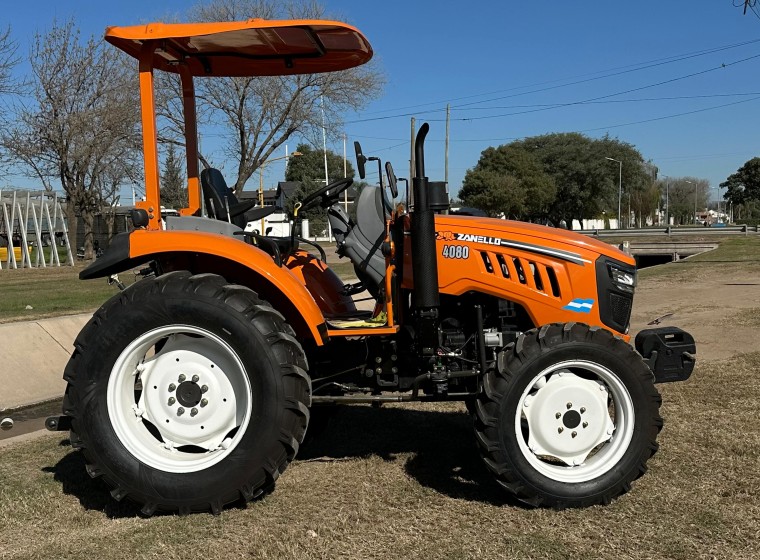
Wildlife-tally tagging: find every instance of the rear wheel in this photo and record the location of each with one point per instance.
(187, 394)
(569, 418)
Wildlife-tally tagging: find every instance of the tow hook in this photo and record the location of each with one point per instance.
(58, 423)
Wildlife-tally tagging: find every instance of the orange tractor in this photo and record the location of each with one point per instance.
(193, 388)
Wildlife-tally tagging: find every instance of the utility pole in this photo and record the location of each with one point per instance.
(448, 121)
(345, 174)
(410, 193)
(324, 149)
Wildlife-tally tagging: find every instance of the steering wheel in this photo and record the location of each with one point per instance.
(327, 195)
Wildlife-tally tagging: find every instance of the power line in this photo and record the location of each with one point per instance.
(605, 73)
(606, 101)
(601, 97)
(671, 116)
(669, 98)
(559, 105)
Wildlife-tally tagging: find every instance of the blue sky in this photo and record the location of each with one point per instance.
(506, 66)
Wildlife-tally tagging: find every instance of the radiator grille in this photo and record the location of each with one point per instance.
(621, 308)
(526, 272)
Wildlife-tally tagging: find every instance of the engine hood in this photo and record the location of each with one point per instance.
(510, 230)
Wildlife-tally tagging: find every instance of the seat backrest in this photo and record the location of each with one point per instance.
(218, 196)
(363, 243)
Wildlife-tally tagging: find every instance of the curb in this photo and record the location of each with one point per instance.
(33, 355)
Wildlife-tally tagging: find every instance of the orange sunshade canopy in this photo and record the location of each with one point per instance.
(256, 47)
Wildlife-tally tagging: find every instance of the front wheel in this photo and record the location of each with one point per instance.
(569, 417)
(187, 393)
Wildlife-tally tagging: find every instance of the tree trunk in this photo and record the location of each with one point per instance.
(110, 220)
(88, 220)
(72, 225)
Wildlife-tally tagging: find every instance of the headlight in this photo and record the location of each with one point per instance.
(623, 280)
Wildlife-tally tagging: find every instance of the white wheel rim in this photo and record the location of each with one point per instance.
(184, 407)
(579, 418)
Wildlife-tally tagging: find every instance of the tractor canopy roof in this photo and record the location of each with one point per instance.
(255, 47)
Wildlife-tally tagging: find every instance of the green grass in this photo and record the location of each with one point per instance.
(56, 291)
(50, 291)
(732, 253)
(405, 481)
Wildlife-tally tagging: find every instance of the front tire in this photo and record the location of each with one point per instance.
(187, 393)
(569, 417)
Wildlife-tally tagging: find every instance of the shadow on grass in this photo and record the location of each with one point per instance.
(93, 494)
(444, 454)
(443, 458)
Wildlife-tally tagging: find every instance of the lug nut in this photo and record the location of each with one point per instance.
(181, 377)
(204, 388)
(172, 400)
(172, 387)
(193, 411)
(195, 378)
(180, 411)
(369, 373)
(558, 415)
(394, 357)
(569, 405)
(394, 370)
(574, 433)
(583, 409)
(204, 402)
(378, 360)
(378, 370)
(560, 430)
(585, 424)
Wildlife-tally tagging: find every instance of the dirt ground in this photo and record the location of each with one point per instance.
(714, 297)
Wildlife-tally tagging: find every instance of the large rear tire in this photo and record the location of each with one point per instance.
(187, 393)
(569, 417)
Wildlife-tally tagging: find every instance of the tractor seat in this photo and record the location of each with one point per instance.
(220, 198)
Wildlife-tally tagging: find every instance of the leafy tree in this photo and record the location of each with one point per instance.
(259, 114)
(684, 194)
(493, 192)
(173, 185)
(82, 126)
(743, 188)
(509, 180)
(561, 177)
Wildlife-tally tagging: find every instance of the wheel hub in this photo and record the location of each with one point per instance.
(189, 393)
(179, 398)
(571, 419)
(567, 416)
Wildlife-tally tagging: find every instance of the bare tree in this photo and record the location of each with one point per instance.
(8, 60)
(259, 114)
(81, 129)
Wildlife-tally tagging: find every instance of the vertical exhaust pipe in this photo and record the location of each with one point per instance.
(424, 257)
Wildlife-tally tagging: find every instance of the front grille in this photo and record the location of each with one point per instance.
(621, 308)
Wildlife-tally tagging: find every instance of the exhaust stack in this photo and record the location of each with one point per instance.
(424, 256)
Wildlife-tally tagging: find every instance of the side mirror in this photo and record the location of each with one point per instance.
(360, 159)
(392, 181)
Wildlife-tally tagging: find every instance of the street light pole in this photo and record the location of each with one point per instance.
(667, 201)
(620, 186)
(695, 200)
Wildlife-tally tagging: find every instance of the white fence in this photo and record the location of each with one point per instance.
(32, 225)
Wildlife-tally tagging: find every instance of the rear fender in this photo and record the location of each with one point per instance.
(231, 258)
